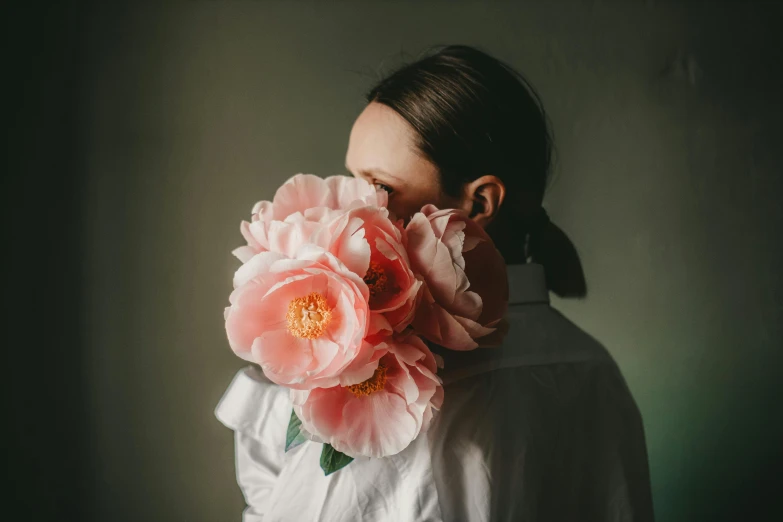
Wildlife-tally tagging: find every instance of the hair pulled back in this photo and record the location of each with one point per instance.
(474, 115)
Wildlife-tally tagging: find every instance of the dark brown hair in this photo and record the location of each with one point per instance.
(474, 115)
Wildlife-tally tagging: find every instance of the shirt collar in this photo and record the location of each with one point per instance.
(527, 284)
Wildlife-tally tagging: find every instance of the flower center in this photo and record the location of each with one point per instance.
(371, 385)
(376, 279)
(308, 316)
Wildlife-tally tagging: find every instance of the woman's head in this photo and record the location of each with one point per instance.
(458, 129)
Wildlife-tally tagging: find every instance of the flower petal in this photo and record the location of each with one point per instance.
(376, 425)
(282, 357)
(258, 264)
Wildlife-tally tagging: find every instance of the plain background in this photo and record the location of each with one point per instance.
(140, 135)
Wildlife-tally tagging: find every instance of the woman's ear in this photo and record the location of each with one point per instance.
(485, 195)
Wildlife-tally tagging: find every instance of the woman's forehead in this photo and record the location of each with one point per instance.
(380, 139)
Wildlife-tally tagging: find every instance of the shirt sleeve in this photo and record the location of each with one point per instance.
(614, 450)
(538, 443)
(258, 411)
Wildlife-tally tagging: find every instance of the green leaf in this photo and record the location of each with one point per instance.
(332, 460)
(295, 434)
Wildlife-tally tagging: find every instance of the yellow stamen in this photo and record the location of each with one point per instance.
(308, 316)
(376, 279)
(371, 385)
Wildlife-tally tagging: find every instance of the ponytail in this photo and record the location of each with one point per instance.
(534, 238)
(550, 246)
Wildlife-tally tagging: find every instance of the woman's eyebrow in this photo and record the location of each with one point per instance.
(370, 172)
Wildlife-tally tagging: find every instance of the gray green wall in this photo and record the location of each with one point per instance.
(667, 123)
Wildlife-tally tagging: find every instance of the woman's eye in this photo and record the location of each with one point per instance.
(381, 186)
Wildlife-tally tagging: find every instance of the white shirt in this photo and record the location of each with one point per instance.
(542, 428)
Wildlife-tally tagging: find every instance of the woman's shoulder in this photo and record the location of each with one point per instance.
(534, 336)
(525, 441)
(254, 405)
(527, 401)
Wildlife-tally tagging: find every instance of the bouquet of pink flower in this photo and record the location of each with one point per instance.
(335, 298)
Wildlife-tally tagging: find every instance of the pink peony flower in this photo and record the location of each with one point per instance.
(303, 320)
(466, 293)
(367, 241)
(364, 238)
(383, 414)
(310, 196)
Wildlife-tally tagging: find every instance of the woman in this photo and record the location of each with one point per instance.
(540, 428)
